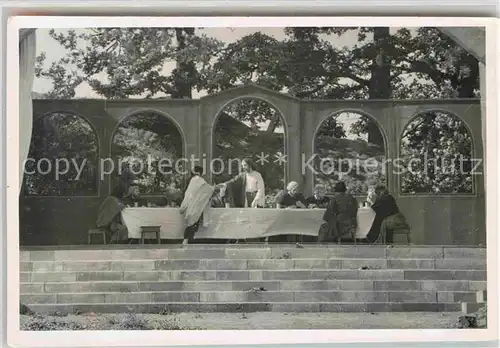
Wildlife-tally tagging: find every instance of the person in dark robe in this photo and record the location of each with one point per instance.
(163, 202)
(387, 215)
(319, 198)
(109, 217)
(247, 189)
(133, 197)
(291, 198)
(340, 216)
(218, 199)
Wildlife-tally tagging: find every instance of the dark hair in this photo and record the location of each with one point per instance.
(197, 170)
(118, 191)
(381, 190)
(249, 162)
(163, 201)
(340, 187)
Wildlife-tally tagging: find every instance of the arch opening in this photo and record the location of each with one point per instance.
(436, 153)
(255, 129)
(148, 148)
(63, 157)
(351, 147)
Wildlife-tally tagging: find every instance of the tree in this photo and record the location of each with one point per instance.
(236, 138)
(121, 62)
(144, 142)
(442, 146)
(68, 141)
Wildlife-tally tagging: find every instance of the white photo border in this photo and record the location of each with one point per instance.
(250, 337)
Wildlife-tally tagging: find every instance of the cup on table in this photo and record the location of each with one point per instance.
(227, 205)
(136, 204)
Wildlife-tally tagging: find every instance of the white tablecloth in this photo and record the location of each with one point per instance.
(236, 223)
(170, 220)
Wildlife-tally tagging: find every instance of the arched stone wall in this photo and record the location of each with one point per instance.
(435, 219)
(288, 107)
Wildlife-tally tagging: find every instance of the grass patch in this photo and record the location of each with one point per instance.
(130, 321)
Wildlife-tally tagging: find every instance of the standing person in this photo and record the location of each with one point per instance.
(196, 201)
(247, 189)
(386, 209)
(319, 198)
(340, 215)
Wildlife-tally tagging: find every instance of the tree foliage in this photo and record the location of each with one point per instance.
(436, 154)
(235, 138)
(348, 155)
(67, 141)
(149, 146)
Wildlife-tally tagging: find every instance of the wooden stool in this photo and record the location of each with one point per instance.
(352, 235)
(405, 231)
(97, 231)
(150, 229)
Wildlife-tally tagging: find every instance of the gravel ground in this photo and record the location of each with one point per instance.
(240, 321)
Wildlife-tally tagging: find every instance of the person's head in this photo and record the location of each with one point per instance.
(292, 188)
(247, 165)
(197, 170)
(118, 192)
(340, 187)
(319, 190)
(217, 191)
(134, 191)
(163, 202)
(381, 190)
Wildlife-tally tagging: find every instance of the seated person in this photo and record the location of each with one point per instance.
(218, 199)
(387, 216)
(133, 197)
(340, 216)
(319, 198)
(162, 202)
(292, 198)
(371, 197)
(109, 217)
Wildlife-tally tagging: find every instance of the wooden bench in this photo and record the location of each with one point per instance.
(150, 229)
(97, 231)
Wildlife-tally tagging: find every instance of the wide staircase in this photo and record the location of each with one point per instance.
(251, 278)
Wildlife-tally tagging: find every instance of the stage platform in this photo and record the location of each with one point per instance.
(250, 278)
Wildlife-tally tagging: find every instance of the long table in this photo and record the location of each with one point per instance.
(237, 223)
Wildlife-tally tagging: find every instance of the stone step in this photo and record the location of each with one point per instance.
(252, 264)
(270, 285)
(221, 251)
(481, 296)
(470, 307)
(249, 296)
(246, 307)
(294, 274)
